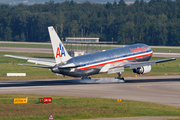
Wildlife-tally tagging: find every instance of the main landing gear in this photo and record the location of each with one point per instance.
(85, 77)
(121, 79)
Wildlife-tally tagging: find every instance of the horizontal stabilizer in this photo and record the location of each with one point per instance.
(42, 61)
(71, 65)
(19, 57)
(49, 67)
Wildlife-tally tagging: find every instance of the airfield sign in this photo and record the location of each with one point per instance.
(45, 100)
(51, 117)
(19, 100)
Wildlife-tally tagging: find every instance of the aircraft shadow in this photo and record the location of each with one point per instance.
(36, 83)
(77, 82)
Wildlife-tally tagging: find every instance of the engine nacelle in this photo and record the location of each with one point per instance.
(142, 70)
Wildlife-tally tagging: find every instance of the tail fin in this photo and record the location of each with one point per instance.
(60, 53)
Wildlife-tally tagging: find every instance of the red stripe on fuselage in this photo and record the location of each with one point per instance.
(115, 61)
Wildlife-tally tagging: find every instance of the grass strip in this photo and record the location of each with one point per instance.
(10, 65)
(82, 47)
(166, 50)
(66, 108)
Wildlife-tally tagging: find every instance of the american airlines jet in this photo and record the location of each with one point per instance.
(136, 57)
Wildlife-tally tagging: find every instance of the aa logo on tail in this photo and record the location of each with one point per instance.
(60, 51)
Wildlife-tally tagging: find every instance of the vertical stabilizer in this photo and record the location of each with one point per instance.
(60, 53)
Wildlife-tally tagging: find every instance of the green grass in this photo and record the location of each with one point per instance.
(10, 65)
(66, 108)
(166, 50)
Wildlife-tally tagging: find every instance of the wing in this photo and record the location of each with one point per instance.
(133, 65)
(42, 61)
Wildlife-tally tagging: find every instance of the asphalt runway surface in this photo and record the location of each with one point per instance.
(49, 51)
(154, 89)
(46, 43)
(26, 50)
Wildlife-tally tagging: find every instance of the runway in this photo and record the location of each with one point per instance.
(46, 43)
(158, 54)
(26, 50)
(155, 89)
(49, 51)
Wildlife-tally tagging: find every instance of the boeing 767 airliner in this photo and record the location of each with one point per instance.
(136, 57)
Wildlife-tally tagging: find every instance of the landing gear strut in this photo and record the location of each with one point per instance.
(119, 76)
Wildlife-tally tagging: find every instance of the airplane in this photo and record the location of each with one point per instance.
(135, 57)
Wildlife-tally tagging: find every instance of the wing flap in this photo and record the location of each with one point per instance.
(116, 70)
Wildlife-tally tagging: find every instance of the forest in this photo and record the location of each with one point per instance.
(156, 22)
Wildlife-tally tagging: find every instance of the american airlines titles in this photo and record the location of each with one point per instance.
(138, 49)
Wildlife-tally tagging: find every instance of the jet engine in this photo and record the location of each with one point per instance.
(142, 70)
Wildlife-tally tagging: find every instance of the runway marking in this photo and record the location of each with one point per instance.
(154, 90)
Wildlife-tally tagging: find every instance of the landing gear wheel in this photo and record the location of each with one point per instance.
(86, 77)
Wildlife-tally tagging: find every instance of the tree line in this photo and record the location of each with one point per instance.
(156, 22)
